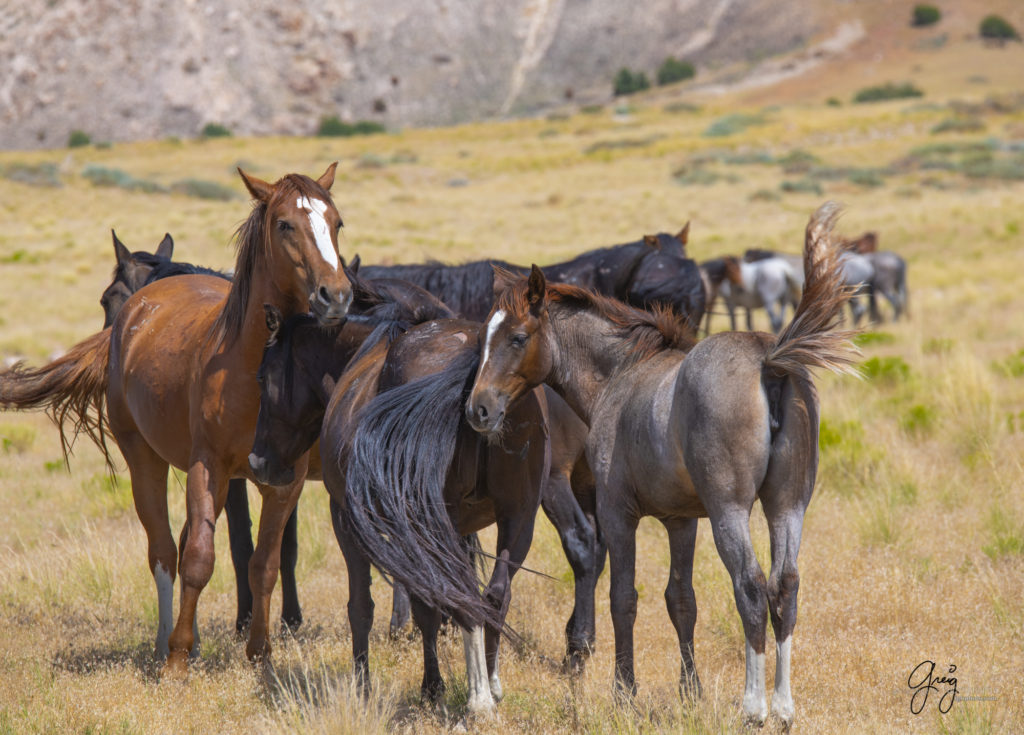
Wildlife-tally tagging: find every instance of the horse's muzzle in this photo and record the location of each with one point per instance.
(271, 473)
(328, 307)
(485, 416)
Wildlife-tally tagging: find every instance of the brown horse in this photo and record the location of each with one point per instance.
(177, 371)
(680, 432)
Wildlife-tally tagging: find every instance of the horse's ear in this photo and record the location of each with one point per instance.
(503, 279)
(537, 291)
(354, 265)
(166, 247)
(274, 319)
(123, 254)
(259, 188)
(684, 234)
(327, 180)
(652, 242)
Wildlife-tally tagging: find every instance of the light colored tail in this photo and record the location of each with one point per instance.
(811, 340)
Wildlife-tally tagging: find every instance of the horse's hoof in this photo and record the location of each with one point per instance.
(784, 712)
(291, 623)
(176, 667)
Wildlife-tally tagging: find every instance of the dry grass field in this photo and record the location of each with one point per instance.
(913, 545)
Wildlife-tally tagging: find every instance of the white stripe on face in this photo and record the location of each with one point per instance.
(492, 328)
(321, 233)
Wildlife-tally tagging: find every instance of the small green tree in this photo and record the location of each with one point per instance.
(628, 82)
(674, 70)
(925, 15)
(78, 138)
(998, 28)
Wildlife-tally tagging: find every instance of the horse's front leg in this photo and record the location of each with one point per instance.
(205, 491)
(586, 557)
(681, 601)
(731, 528)
(618, 527)
(428, 620)
(236, 512)
(360, 601)
(278, 504)
(291, 611)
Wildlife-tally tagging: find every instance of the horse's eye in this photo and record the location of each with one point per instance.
(284, 226)
(517, 340)
(338, 226)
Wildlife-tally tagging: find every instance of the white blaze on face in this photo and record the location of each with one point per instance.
(321, 233)
(492, 329)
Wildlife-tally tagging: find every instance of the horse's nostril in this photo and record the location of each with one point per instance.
(324, 295)
(481, 412)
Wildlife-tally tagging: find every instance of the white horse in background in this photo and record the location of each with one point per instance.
(769, 283)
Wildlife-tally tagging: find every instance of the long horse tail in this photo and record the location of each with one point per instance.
(398, 463)
(811, 339)
(72, 387)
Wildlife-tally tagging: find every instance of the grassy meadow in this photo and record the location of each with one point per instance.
(913, 545)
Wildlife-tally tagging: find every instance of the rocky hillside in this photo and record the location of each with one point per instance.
(134, 69)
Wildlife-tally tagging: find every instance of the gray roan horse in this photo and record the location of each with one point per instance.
(681, 431)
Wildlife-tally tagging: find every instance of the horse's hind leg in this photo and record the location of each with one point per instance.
(291, 612)
(731, 528)
(400, 609)
(236, 511)
(428, 620)
(360, 603)
(149, 490)
(681, 601)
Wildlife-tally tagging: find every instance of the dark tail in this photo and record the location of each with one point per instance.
(72, 387)
(397, 468)
(811, 340)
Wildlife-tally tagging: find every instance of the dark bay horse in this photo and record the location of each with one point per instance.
(408, 479)
(469, 287)
(682, 431)
(132, 271)
(176, 373)
(298, 375)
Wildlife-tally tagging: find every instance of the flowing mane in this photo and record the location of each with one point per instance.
(251, 249)
(649, 332)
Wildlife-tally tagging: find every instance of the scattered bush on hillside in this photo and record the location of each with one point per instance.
(797, 161)
(629, 82)
(33, 174)
(215, 130)
(78, 138)
(115, 177)
(802, 186)
(887, 91)
(732, 124)
(925, 15)
(204, 190)
(681, 107)
(332, 127)
(959, 125)
(673, 70)
(997, 28)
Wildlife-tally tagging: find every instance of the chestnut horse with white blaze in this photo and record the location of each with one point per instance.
(682, 431)
(177, 372)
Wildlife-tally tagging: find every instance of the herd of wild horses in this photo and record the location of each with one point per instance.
(435, 400)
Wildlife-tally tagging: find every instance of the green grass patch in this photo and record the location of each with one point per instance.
(78, 139)
(110, 493)
(765, 195)
(865, 339)
(798, 161)
(215, 130)
(1012, 366)
(1005, 533)
(677, 107)
(802, 186)
(959, 125)
(919, 419)
(700, 176)
(887, 91)
(621, 144)
(886, 369)
(16, 438)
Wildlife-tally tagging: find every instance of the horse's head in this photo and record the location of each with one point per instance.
(301, 226)
(517, 351)
(130, 274)
(290, 409)
(732, 270)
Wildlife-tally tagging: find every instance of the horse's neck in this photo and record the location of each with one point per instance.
(587, 354)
